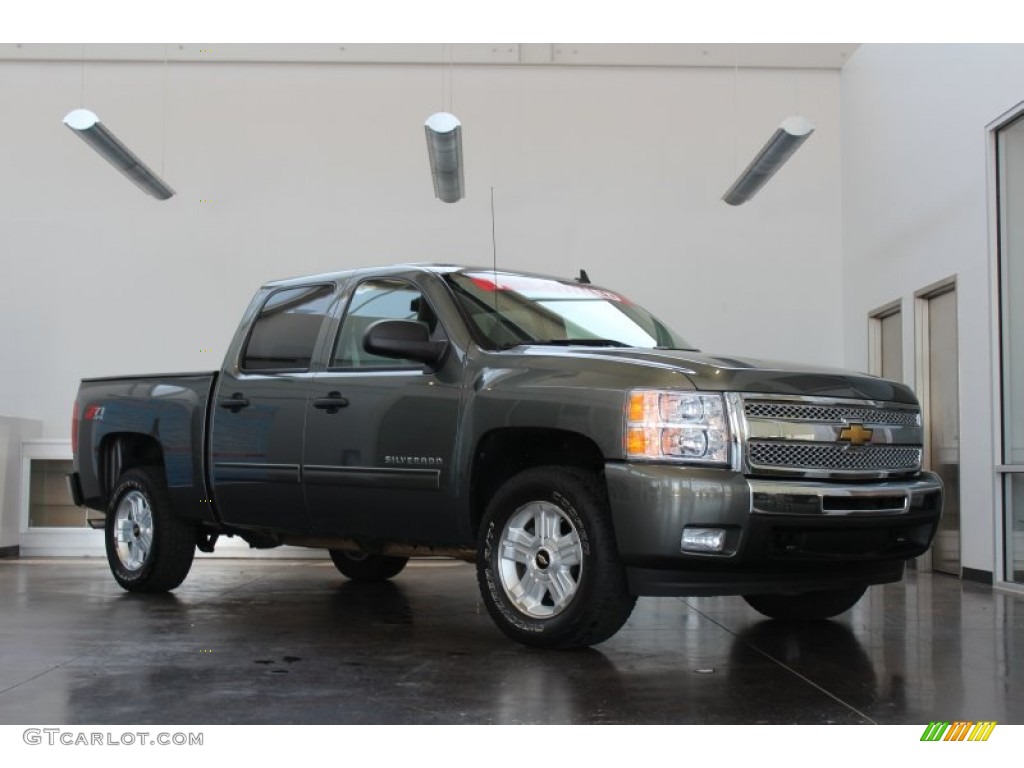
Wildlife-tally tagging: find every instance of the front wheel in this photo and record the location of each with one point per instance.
(547, 561)
(806, 606)
(148, 548)
(360, 566)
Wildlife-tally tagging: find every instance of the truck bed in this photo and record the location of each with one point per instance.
(125, 420)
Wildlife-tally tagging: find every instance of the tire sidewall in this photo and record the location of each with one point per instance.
(534, 486)
(124, 576)
(363, 566)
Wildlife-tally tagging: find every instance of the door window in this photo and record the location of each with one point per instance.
(375, 300)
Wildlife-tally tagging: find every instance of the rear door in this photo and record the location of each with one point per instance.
(380, 433)
(259, 412)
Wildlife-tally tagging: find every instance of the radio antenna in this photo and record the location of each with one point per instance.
(494, 253)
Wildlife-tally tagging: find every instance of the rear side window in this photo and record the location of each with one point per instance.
(284, 334)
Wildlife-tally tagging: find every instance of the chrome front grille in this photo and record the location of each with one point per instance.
(824, 438)
(834, 414)
(875, 458)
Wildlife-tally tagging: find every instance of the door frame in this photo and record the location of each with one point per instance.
(875, 318)
(922, 365)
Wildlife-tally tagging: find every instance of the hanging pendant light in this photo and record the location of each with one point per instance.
(444, 147)
(793, 132)
(87, 126)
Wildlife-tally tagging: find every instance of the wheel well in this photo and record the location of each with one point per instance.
(122, 451)
(502, 453)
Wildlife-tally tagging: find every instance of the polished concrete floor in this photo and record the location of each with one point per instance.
(273, 641)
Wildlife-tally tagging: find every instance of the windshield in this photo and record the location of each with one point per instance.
(509, 310)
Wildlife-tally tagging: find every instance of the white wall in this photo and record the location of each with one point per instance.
(313, 167)
(13, 432)
(915, 212)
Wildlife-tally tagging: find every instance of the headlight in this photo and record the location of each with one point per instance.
(677, 426)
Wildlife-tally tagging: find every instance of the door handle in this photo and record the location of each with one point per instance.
(331, 403)
(235, 403)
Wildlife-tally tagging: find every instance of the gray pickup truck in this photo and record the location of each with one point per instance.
(575, 448)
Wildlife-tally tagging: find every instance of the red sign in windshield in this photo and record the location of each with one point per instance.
(538, 289)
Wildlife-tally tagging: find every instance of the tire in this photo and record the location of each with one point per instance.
(806, 606)
(360, 566)
(149, 549)
(566, 587)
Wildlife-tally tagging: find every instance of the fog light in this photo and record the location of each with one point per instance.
(703, 540)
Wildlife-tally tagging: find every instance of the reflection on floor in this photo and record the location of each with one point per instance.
(258, 641)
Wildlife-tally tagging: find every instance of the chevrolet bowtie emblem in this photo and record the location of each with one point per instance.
(855, 434)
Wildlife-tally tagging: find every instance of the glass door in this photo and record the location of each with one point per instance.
(1010, 169)
(885, 342)
(944, 424)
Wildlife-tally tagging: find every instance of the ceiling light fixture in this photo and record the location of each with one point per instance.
(780, 147)
(444, 146)
(87, 126)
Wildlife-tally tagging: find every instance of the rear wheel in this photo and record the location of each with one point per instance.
(148, 548)
(806, 606)
(548, 565)
(360, 566)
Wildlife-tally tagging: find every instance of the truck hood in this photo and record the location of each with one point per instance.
(732, 374)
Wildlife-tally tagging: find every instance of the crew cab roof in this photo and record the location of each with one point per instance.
(390, 269)
(400, 269)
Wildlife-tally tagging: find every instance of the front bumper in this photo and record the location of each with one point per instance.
(781, 535)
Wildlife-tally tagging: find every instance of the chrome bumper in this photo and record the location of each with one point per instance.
(804, 497)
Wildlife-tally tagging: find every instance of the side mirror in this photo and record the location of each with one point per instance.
(404, 340)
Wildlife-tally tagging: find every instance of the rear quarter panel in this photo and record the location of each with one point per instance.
(170, 409)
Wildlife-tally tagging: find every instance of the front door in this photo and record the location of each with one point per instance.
(380, 433)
